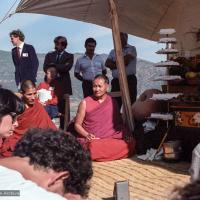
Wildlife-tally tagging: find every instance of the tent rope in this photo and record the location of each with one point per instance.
(8, 13)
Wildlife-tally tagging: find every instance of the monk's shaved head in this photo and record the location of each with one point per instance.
(101, 76)
(27, 84)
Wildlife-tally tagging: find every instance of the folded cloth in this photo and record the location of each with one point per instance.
(166, 63)
(166, 96)
(148, 126)
(167, 39)
(167, 31)
(166, 51)
(151, 155)
(167, 78)
(165, 116)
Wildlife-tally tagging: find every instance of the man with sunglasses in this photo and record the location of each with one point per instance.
(24, 58)
(88, 66)
(10, 107)
(63, 61)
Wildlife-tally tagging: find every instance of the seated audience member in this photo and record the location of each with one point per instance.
(50, 84)
(99, 125)
(34, 116)
(144, 106)
(195, 166)
(46, 162)
(10, 107)
(190, 191)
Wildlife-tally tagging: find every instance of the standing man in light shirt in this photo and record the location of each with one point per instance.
(130, 60)
(88, 66)
(24, 58)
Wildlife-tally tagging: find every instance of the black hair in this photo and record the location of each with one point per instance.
(18, 33)
(27, 84)
(47, 66)
(58, 151)
(63, 40)
(102, 76)
(189, 191)
(90, 40)
(10, 103)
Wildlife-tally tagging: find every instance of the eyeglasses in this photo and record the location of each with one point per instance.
(14, 116)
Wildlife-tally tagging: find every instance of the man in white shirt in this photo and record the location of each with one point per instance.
(47, 162)
(130, 60)
(88, 66)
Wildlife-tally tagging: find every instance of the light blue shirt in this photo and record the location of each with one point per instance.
(89, 68)
(131, 67)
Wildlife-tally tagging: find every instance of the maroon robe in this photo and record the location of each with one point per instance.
(32, 117)
(104, 121)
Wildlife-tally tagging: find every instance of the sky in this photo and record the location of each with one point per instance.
(40, 31)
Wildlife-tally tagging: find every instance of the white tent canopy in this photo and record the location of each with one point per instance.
(143, 18)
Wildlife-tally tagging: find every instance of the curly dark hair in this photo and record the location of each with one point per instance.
(189, 191)
(60, 152)
(18, 33)
(10, 103)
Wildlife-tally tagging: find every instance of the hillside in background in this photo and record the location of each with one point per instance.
(145, 73)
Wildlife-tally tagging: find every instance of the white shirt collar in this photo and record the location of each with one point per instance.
(21, 45)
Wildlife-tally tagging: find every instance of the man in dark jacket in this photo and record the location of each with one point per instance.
(24, 58)
(63, 61)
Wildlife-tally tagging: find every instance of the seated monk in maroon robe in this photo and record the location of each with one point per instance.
(34, 116)
(99, 125)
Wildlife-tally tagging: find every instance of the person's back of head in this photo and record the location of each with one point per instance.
(10, 103)
(189, 191)
(56, 150)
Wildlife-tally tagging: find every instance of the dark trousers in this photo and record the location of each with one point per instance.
(132, 86)
(52, 111)
(61, 109)
(87, 88)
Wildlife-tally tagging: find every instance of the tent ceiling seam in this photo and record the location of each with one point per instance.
(164, 14)
(91, 2)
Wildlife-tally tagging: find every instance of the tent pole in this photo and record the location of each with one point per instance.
(120, 65)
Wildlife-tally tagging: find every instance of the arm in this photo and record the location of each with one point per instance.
(46, 61)
(128, 58)
(78, 76)
(77, 71)
(111, 64)
(34, 61)
(131, 55)
(104, 71)
(79, 121)
(62, 68)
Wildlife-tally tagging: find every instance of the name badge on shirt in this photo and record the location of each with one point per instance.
(24, 54)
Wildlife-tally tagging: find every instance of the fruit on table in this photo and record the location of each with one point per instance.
(190, 75)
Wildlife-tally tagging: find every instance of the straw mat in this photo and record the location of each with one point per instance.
(147, 180)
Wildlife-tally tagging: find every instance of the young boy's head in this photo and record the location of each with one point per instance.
(50, 73)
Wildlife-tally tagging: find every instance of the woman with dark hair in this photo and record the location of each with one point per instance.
(10, 107)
